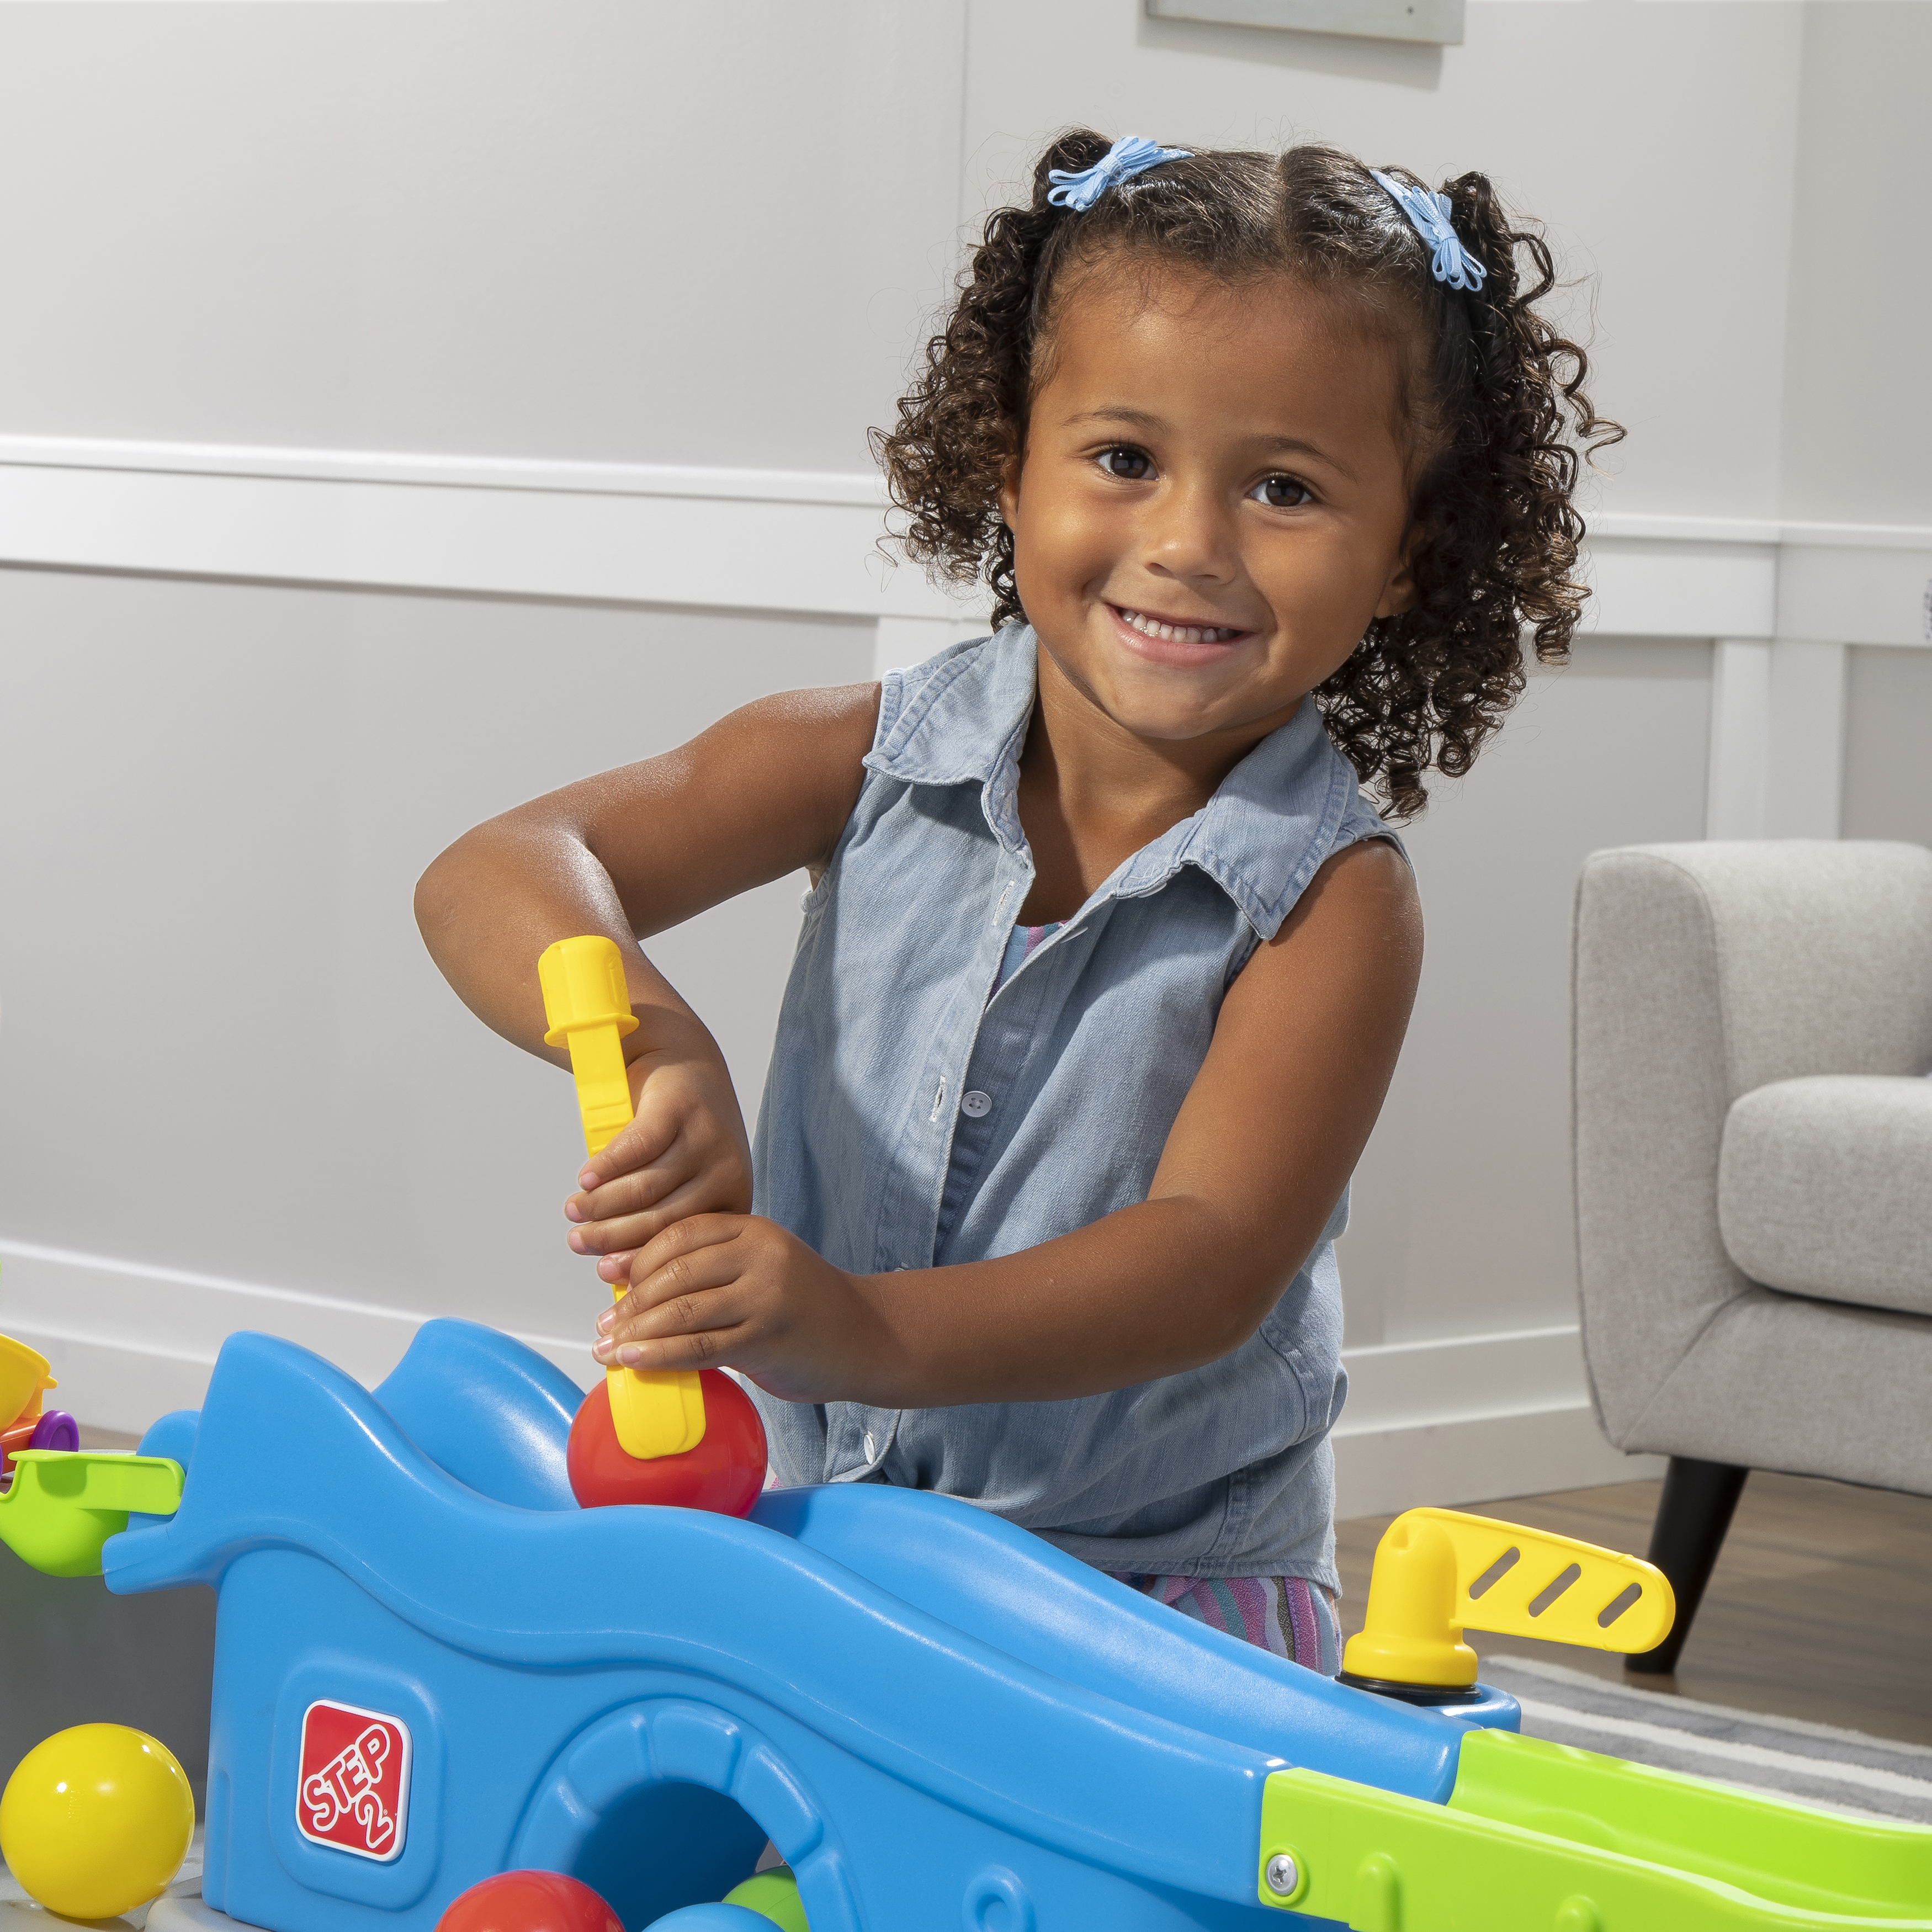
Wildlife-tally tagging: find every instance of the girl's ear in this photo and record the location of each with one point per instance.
(1398, 593)
(1009, 490)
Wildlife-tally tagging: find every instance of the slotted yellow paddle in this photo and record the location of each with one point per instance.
(1440, 1571)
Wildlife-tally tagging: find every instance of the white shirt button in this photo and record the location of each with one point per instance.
(871, 1448)
(975, 1105)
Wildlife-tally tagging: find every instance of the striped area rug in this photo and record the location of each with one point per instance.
(1840, 1771)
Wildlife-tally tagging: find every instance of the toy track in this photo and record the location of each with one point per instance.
(929, 1712)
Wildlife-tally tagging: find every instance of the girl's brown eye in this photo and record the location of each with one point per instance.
(1131, 465)
(1281, 493)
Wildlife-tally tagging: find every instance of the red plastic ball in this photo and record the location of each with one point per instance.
(530, 1901)
(724, 1473)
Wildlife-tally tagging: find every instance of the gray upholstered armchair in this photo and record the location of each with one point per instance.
(1754, 1163)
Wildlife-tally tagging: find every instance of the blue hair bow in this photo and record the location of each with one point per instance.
(1130, 155)
(1429, 215)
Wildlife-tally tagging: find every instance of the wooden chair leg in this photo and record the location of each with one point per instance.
(1695, 1512)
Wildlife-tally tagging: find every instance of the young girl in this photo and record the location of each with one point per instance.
(1267, 461)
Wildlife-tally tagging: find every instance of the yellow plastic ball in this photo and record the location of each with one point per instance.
(96, 1820)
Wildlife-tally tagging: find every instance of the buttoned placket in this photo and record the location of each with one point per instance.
(860, 1439)
(1008, 1029)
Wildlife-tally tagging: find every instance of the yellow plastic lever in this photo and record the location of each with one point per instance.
(588, 1008)
(1438, 1572)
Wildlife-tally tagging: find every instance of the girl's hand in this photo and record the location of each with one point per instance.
(685, 1154)
(737, 1288)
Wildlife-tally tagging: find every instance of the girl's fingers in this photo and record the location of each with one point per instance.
(645, 1141)
(697, 1198)
(701, 1349)
(628, 1232)
(636, 1191)
(682, 1241)
(607, 1237)
(702, 1297)
(660, 1123)
(686, 1260)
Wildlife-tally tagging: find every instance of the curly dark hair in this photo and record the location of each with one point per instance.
(1492, 396)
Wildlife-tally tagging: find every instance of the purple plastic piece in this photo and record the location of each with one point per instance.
(56, 1430)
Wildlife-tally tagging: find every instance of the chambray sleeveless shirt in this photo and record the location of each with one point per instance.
(909, 1121)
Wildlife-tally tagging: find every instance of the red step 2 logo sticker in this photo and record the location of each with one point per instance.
(354, 1789)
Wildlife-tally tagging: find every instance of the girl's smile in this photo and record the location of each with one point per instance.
(1212, 503)
(1170, 640)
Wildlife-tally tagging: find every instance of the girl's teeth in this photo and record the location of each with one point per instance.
(1186, 633)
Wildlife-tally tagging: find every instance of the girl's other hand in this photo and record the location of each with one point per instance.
(739, 1289)
(684, 1153)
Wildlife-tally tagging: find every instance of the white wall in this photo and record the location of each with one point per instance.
(618, 232)
(1858, 412)
(591, 228)
(1461, 1210)
(1888, 732)
(225, 1050)
(1656, 141)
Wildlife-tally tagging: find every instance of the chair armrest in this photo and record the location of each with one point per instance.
(1701, 972)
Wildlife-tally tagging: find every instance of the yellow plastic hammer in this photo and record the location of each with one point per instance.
(656, 1412)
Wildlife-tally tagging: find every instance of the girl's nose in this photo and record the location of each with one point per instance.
(1189, 533)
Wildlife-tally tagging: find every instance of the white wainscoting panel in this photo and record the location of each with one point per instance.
(1878, 591)
(725, 553)
(772, 540)
(1684, 585)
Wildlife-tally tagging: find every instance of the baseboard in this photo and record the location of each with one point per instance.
(130, 1340)
(1480, 1460)
(1461, 1419)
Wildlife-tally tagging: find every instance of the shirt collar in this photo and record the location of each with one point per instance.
(1260, 837)
(966, 724)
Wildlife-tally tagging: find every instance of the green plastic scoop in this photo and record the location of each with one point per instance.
(65, 1504)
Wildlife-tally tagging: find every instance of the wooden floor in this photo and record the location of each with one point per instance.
(1820, 1606)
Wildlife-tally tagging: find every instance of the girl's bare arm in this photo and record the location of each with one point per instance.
(1302, 1056)
(764, 792)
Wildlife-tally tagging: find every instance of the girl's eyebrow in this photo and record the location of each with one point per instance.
(1119, 413)
(1299, 446)
(1146, 420)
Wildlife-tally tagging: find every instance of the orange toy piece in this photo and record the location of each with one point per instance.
(25, 1376)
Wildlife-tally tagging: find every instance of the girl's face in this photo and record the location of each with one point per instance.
(1212, 501)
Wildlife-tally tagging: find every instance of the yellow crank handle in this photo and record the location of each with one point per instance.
(1438, 1572)
(587, 1006)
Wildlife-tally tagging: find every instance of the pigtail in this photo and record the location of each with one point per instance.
(964, 416)
(1534, 412)
(1496, 550)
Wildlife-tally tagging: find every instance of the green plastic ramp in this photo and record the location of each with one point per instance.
(1539, 1838)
